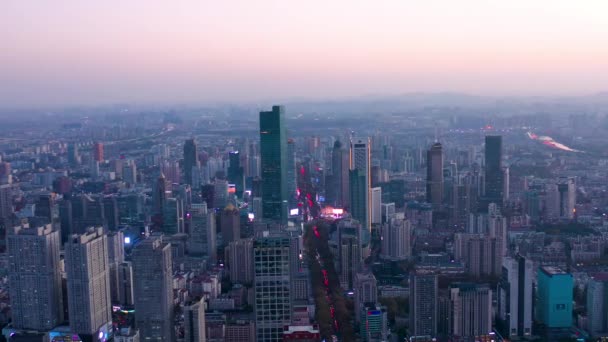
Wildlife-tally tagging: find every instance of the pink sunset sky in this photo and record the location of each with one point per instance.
(56, 52)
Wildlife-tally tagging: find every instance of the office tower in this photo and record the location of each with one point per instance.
(194, 321)
(203, 233)
(338, 186)
(554, 289)
(236, 174)
(73, 157)
(125, 284)
(116, 256)
(256, 207)
(434, 175)
(47, 207)
(366, 291)
(98, 152)
(396, 236)
(173, 216)
(34, 277)
(220, 193)
(239, 258)
(153, 289)
(272, 286)
(159, 195)
(376, 205)
(349, 251)
(494, 182)
(515, 297)
(481, 253)
(190, 160)
(471, 310)
(292, 180)
(88, 282)
(567, 198)
(597, 304)
(423, 304)
(360, 160)
(230, 224)
(273, 148)
(129, 172)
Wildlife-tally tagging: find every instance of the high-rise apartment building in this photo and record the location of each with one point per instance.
(190, 159)
(396, 238)
(349, 251)
(366, 291)
(88, 283)
(434, 175)
(34, 277)
(471, 311)
(423, 304)
(272, 286)
(376, 205)
(194, 321)
(153, 289)
(273, 148)
(515, 297)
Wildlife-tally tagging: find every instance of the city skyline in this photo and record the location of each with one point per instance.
(198, 52)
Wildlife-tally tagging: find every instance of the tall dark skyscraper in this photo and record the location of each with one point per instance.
(338, 185)
(292, 180)
(160, 194)
(273, 147)
(236, 172)
(190, 160)
(434, 175)
(494, 174)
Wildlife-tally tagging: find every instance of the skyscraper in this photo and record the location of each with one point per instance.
(494, 186)
(396, 237)
(153, 289)
(350, 252)
(338, 187)
(194, 321)
(203, 233)
(230, 224)
(423, 304)
(554, 297)
(239, 257)
(236, 173)
(273, 147)
(434, 175)
(116, 256)
(376, 205)
(292, 179)
(272, 287)
(471, 310)
(190, 159)
(366, 291)
(98, 152)
(159, 195)
(359, 197)
(597, 304)
(360, 159)
(173, 216)
(88, 276)
(34, 277)
(515, 297)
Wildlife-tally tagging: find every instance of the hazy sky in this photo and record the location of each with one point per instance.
(55, 52)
